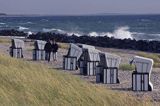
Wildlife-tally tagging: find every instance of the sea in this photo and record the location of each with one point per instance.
(139, 27)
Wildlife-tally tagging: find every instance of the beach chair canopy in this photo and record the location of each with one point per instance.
(89, 53)
(93, 55)
(17, 43)
(39, 44)
(75, 51)
(109, 60)
(142, 64)
(84, 46)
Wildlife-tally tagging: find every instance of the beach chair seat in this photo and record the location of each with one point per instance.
(38, 54)
(89, 68)
(69, 63)
(140, 82)
(110, 75)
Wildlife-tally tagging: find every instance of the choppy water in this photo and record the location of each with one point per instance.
(126, 26)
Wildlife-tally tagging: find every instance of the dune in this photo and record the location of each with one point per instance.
(27, 83)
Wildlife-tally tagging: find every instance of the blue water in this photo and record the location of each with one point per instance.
(122, 26)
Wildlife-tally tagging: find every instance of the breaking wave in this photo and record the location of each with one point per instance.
(119, 33)
(29, 33)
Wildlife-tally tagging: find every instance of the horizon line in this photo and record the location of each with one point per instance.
(91, 14)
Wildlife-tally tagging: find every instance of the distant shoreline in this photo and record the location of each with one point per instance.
(65, 15)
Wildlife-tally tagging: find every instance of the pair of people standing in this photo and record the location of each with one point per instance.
(51, 47)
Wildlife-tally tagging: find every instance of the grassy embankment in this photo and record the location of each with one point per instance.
(4, 40)
(27, 83)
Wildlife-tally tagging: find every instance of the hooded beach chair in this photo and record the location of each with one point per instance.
(89, 60)
(70, 60)
(38, 51)
(16, 49)
(141, 75)
(107, 71)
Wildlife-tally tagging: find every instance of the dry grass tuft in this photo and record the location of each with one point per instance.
(127, 67)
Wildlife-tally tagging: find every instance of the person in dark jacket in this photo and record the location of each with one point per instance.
(48, 50)
(54, 49)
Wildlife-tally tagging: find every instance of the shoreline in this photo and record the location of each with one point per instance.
(141, 45)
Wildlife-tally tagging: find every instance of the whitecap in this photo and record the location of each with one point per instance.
(21, 28)
(1, 23)
(29, 22)
(26, 23)
(53, 30)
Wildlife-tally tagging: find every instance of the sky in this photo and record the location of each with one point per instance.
(79, 7)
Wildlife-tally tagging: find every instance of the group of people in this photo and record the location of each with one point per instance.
(51, 47)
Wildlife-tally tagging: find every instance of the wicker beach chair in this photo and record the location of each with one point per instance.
(107, 71)
(89, 60)
(141, 75)
(38, 51)
(70, 61)
(16, 49)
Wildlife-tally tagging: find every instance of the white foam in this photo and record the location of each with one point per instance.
(21, 28)
(95, 34)
(29, 33)
(29, 22)
(1, 23)
(121, 33)
(26, 23)
(53, 30)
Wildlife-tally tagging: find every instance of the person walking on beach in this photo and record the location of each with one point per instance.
(48, 50)
(54, 50)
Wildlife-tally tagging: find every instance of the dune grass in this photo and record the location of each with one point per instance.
(4, 40)
(63, 45)
(127, 67)
(27, 83)
(154, 56)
